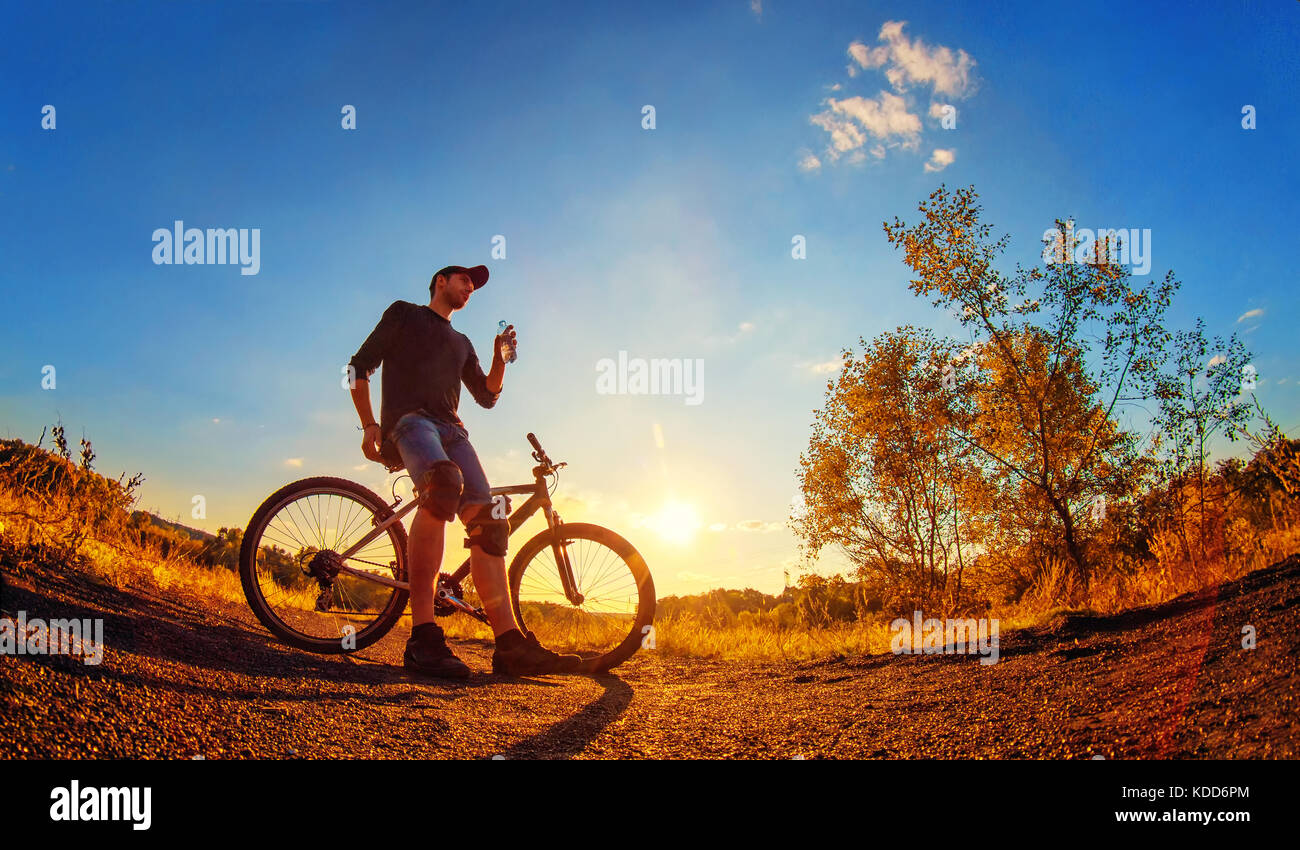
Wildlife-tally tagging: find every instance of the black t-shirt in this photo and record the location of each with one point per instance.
(425, 360)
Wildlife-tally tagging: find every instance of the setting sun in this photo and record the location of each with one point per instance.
(676, 522)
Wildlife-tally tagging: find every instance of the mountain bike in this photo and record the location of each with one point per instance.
(323, 565)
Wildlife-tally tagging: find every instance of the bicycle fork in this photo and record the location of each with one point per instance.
(560, 548)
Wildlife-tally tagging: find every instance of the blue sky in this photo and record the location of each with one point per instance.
(525, 121)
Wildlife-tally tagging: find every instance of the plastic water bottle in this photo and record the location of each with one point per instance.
(507, 348)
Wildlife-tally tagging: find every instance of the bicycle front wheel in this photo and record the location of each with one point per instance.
(612, 612)
(285, 562)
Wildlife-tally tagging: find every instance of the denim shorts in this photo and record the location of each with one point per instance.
(422, 441)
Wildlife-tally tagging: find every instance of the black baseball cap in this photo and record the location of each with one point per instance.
(477, 274)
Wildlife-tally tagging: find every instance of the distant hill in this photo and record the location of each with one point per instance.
(192, 533)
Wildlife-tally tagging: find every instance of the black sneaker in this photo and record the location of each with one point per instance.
(427, 653)
(519, 654)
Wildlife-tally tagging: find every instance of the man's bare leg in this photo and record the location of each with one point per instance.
(423, 560)
(424, 556)
(490, 581)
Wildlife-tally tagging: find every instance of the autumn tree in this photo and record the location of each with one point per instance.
(1276, 454)
(1062, 349)
(883, 476)
(223, 549)
(1201, 396)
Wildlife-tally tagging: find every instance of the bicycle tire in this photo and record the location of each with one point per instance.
(252, 541)
(631, 558)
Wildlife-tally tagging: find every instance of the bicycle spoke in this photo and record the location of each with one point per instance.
(605, 570)
(348, 534)
(301, 543)
(556, 587)
(613, 577)
(289, 515)
(607, 557)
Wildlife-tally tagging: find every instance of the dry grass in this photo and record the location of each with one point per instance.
(119, 563)
(762, 642)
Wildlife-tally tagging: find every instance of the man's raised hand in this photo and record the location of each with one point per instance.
(506, 337)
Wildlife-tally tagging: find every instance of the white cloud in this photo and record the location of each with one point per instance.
(1215, 361)
(1250, 314)
(845, 135)
(850, 121)
(940, 159)
(860, 125)
(718, 526)
(825, 368)
(861, 54)
(756, 6)
(758, 525)
(883, 117)
(909, 61)
(809, 162)
(741, 329)
(293, 461)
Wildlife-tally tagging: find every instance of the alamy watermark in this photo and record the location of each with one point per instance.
(1125, 246)
(58, 637)
(658, 376)
(95, 803)
(215, 246)
(933, 636)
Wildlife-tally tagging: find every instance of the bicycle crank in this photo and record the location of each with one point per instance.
(448, 600)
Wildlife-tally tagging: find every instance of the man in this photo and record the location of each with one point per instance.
(425, 361)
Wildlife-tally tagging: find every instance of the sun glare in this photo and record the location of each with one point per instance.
(676, 522)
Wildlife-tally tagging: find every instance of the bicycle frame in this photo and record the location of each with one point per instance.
(538, 497)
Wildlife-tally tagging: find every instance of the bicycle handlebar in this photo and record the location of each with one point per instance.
(539, 455)
(547, 465)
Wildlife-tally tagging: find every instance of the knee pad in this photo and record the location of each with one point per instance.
(490, 535)
(441, 490)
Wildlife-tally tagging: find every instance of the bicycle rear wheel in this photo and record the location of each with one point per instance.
(615, 611)
(285, 557)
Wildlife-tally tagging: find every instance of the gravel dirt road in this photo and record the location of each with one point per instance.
(185, 676)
